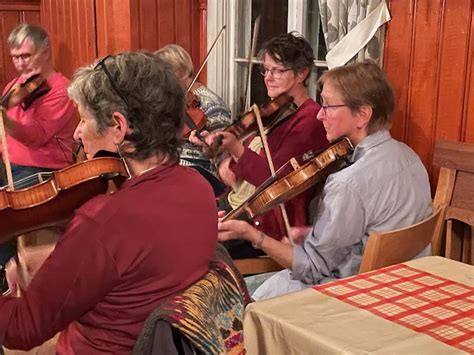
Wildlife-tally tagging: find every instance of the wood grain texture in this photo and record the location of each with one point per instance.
(13, 13)
(429, 60)
(71, 25)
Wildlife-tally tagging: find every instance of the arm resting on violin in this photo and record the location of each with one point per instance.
(43, 120)
(81, 279)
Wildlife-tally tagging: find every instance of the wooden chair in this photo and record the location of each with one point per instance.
(257, 265)
(455, 189)
(389, 248)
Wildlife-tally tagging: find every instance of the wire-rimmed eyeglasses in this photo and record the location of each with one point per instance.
(101, 65)
(326, 107)
(276, 73)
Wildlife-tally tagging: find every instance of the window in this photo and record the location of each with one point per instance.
(229, 63)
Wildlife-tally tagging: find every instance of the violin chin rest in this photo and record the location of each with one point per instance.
(110, 176)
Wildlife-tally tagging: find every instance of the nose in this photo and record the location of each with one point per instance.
(77, 133)
(321, 114)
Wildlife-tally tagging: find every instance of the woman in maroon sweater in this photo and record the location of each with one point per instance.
(122, 253)
(287, 63)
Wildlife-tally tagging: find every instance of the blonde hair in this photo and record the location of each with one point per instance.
(177, 57)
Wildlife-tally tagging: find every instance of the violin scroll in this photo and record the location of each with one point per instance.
(272, 113)
(26, 92)
(195, 117)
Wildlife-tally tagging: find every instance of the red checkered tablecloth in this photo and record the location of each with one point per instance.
(425, 303)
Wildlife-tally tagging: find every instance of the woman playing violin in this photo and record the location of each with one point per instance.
(122, 253)
(204, 107)
(385, 188)
(287, 63)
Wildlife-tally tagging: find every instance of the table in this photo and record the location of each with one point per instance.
(422, 306)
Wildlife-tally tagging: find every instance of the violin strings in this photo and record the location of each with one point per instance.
(63, 146)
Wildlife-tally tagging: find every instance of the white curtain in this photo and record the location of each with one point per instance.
(353, 29)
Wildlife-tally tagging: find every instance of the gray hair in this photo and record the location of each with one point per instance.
(36, 34)
(144, 90)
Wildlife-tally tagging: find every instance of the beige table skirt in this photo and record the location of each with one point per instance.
(310, 322)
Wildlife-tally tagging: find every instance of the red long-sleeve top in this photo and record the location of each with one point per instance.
(295, 136)
(33, 142)
(121, 255)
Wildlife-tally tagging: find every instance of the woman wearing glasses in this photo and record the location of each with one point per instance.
(287, 63)
(122, 253)
(385, 188)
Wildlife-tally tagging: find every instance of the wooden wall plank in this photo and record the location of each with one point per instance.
(469, 95)
(71, 25)
(113, 26)
(148, 23)
(399, 39)
(8, 20)
(167, 16)
(452, 72)
(425, 69)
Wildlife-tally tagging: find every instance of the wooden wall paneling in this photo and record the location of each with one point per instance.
(452, 71)
(71, 25)
(166, 21)
(162, 22)
(11, 14)
(9, 19)
(147, 25)
(31, 17)
(113, 24)
(200, 39)
(183, 28)
(396, 61)
(468, 128)
(425, 69)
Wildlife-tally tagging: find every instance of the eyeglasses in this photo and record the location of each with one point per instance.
(25, 57)
(101, 65)
(326, 107)
(276, 73)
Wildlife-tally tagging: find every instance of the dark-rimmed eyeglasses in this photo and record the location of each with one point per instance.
(101, 65)
(326, 107)
(276, 73)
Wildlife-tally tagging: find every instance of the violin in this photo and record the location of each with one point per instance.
(53, 201)
(26, 92)
(195, 118)
(272, 113)
(276, 191)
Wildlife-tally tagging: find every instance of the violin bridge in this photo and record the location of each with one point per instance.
(294, 164)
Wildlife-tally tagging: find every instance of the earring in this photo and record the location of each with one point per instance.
(119, 152)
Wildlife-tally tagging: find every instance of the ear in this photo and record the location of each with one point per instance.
(364, 116)
(120, 127)
(301, 76)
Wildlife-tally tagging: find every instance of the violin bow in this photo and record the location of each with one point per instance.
(266, 149)
(253, 46)
(20, 256)
(205, 59)
(5, 155)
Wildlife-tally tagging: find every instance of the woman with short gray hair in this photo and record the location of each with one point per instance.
(122, 254)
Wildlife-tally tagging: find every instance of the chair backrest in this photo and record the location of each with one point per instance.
(389, 248)
(455, 189)
(208, 314)
(257, 265)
